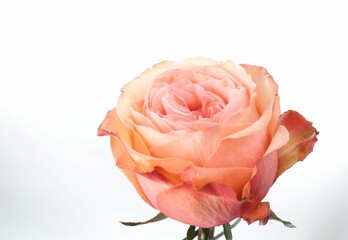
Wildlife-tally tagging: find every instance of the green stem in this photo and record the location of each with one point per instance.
(205, 233)
(231, 227)
(208, 233)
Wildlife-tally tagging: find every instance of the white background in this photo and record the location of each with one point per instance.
(62, 64)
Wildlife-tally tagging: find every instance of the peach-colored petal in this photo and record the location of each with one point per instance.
(280, 138)
(131, 176)
(213, 205)
(267, 99)
(239, 74)
(136, 90)
(124, 144)
(262, 179)
(122, 158)
(260, 211)
(235, 178)
(132, 163)
(154, 138)
(126, 164)
(303, 136)
(262, 123)
(240, 152)
(139, 118)
(172, 177)
(113, 126)
(152, 184)
(237, 111)
(128, 158)
(160, 123)
(193, 146)
(232, 123)
(148, 163)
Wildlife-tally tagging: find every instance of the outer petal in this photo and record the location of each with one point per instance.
(267, 99)
(303, 136)
(132, 163)
(235, 178)
(189, 146)
(128, 167)
(240, 152)
(213, 205)
(262, 179)
(260, 211)
(131, 154)
(113, 126)
(152, 184)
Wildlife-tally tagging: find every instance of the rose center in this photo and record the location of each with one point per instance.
(180, 105)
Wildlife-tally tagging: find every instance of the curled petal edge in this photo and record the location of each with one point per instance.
(303, 136)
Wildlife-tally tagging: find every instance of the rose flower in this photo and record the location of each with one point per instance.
(203, 141)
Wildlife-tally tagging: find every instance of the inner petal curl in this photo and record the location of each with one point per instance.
(189, 98)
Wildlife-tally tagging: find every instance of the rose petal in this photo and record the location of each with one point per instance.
(280, 138)
(113, 126)
(262, 179)
(213, 205)
(126, 164)
(146, 164)
(134, 181)
(154, 138)
(303, 136)
(128, 158)
(131, 154)
(135, 91)
(267, 99)
(132, 163)
(260, 211)
(240, 152)
(235, 178)
(152, 184)
(232, 123)
(189, 147)
(239, 74)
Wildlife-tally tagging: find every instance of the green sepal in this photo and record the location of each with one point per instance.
(157, 218)
(191, 233)
(227, 231)
(273, 216)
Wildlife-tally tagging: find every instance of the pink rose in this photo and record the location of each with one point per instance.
(203, 141)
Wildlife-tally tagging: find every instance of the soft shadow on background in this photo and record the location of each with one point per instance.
(62, 64)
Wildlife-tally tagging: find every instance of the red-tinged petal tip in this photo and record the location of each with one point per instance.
(303, 136)
(260, 212)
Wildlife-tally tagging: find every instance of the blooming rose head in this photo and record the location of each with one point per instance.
(203, 141)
